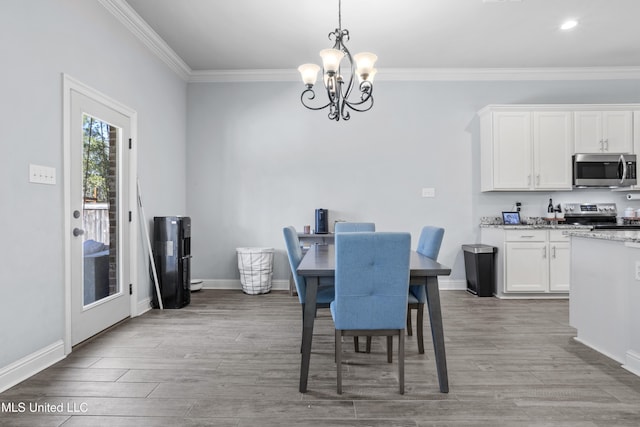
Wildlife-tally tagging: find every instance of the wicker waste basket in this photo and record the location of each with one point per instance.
(256, 269)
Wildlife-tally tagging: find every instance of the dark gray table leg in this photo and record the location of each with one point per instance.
(307, 329)
(437, 331)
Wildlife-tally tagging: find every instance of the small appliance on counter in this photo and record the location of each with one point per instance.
(600, 216)
(322, 221)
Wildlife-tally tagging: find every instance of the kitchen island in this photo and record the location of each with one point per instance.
(604, 302)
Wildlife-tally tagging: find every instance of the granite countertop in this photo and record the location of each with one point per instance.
(615, 235)
(549, 226)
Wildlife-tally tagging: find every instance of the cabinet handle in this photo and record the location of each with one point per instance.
(553, 253)
(538, 179)
(606, 144)
(544, 252)
(601, 145)
(527, 236)
(528, 180)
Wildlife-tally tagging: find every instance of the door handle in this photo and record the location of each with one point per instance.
(78, 232)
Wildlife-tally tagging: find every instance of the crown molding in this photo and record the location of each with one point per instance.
(134, 23)
(509, 74)
(138, 26)
(220, 76)
(434, 74)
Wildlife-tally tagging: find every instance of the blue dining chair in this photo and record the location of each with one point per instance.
(350, 227)
(371, 282)
(356, 227)
(325, 287)
(294, 253)
(429, 246)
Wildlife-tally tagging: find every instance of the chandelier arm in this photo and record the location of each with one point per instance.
(354, 105)
(311, 95)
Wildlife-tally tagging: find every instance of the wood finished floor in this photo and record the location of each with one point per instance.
(231, 359)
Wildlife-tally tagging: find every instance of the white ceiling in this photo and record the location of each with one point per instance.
(405, 34)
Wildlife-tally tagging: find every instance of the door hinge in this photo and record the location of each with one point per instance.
(130, 143)
(129, 216)
(130, 288)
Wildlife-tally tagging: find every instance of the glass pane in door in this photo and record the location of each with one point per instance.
(99, 213)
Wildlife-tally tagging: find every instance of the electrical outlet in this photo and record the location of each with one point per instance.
(637, 270)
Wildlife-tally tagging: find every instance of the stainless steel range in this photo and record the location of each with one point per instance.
(600, 216)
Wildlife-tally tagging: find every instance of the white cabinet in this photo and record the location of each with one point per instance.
(603, 131)
(536, 261)
(525, 150)
(552, 136)
(559, 261)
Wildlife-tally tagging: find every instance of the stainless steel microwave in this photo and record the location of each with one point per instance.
(604, 170)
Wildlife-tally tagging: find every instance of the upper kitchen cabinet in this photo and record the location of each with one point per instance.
(524, 149)
(603, 131)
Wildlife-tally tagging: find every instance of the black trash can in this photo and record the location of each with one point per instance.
(479, 266)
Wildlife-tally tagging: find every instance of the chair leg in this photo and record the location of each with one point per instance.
(389, 349)
(338, 358)
(420, 328)
(368, 344)
(401, 360)
(409, 329)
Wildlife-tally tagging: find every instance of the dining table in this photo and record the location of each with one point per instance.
(319, 261)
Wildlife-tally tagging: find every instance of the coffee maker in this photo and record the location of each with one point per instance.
(322, 221)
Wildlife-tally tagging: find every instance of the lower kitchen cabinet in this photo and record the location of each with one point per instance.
(532, 263)
(559, 267)
(526, 267)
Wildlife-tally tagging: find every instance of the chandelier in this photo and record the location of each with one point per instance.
(338, 90)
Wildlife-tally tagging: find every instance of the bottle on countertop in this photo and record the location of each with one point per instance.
(550, 210)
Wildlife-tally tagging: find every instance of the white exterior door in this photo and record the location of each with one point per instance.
(99, 217)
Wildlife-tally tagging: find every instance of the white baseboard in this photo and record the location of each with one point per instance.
(283, 285)
(30, 365)
(278, 285)
(452, 285)
(143, 306)
(633, 362)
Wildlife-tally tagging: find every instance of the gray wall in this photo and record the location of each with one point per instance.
(259, 161)
(40, 40)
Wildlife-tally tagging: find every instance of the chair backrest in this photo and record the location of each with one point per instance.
(372, 280)
(351, 227)
(294, 253)
(430, 241)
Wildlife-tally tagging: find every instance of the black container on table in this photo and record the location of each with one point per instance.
(322, 221)
(479, 266)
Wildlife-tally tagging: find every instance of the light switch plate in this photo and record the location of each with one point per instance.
(42, 174)
(428, 192)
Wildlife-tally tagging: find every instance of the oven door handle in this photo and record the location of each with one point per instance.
(624, 168)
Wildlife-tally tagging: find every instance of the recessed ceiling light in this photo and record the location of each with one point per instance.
(569, 24)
